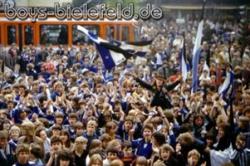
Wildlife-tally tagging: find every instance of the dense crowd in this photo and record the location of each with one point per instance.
(60, 107)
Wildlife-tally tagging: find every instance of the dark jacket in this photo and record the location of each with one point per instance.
(80, 161)
(6, 159)
(160, 98)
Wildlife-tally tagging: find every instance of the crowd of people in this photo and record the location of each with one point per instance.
(57, 107)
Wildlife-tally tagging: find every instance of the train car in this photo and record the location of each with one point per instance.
(53, 31)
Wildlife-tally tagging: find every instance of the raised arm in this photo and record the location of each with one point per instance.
(170, 87)
(145, 85)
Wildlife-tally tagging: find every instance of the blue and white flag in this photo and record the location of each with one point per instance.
(115, 52)
(184, 68)
(196, 57)
(107, 75)
(122, 75)
(227, 85)
(110, 58)
(140, 48)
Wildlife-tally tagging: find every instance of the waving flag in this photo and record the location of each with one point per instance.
(227, 85)
(197, 51)
(110, 58)
(184, 68)
(114, 53)
(196, 57)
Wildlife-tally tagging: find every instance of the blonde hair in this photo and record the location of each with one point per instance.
(81, 138)
(15, 128)
(185, 138)
(92, 123)
(114, 143)
(194, 152)
(95, 158)
(141, 160)
(116, 162)
(166, 147)
(158, 163)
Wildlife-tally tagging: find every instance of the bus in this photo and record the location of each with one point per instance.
(56, 32)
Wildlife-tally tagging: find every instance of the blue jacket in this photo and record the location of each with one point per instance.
(142, 148)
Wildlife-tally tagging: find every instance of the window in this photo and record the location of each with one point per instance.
(110, 33)
(0, 36)
(80, 38)
(125, 33)
(117, 32)
(28, 35)
(54, 34)
(11, 34)
(137, 36)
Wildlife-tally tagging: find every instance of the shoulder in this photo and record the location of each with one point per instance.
(21, 139)
(247, 150)
(137, 141)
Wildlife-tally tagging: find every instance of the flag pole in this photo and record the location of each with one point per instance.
(197, 51)
(203, 10)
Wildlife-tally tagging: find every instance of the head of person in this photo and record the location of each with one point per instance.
(112, 153)
(65, 158)
(96, 160)
(240, 141)
(115, 143)
(95, 144)
(28, 128)
(198, 120)
(193, 157)
(247, 112)
(166, 152)
(59, 118)
(65, 137)
(79, 128)
(107, 115)
(141, 161)
(116, 162)
(40, 132)
(160, 76)
(3, 114)
(158, 163)
(58, 87)
(158, 139)
(14, 132)
(209, 139)
(105, 138)
(127, 148)
(22, 154)
(72, 118)
(128, 123)
(80, 144)
(185, 139)
(148, 131)
(111, 127)
(91, 127)
(243, 122)
(56, 130)
(36, 151)
(223, 130)
(3, 139)
(56, 143)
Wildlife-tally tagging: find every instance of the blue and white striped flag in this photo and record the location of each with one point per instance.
(227, 85)
(110, 58)
(107, 75)
(184, 68)
(115, 52)
(196, 57)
